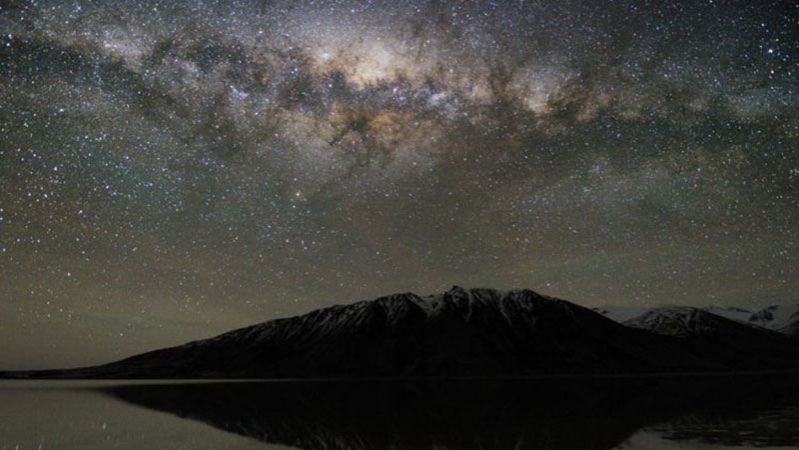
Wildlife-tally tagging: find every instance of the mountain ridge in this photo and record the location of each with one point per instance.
(776, 317)
(461, 332)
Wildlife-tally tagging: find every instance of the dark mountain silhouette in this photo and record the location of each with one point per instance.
(776, 317)
(765, 315)
(578, 413)
(736, 345)
(792, 327)
(476, 332)
(685, 321)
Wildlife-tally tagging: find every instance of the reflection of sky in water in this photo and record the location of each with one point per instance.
(52, 418)
(86, 415)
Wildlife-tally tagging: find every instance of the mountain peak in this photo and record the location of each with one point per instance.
(455, 289)
(465, 301)
(459, 332)
(686, 321)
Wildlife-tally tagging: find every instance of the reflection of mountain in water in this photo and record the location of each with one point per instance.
(770, 420)
(569, 414)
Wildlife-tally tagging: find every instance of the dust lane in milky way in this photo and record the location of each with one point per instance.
(172, 170)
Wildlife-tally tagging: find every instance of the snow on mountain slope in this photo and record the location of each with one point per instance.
(792, 327)
(730, 312)
(682, 321)
(708, 336)
(620, 314)
(774, 317)
(462, 332)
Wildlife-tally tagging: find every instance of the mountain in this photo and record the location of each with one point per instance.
(731, 312)
(684, 321)
(736, 345)
(775, 317)
(619, 314)
(458, 333)
(477, 332)
(791, 328)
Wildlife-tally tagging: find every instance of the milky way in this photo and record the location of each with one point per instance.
(175, 169)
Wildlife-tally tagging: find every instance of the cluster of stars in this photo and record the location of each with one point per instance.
(173, 171)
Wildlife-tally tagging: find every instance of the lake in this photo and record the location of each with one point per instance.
(679, 412)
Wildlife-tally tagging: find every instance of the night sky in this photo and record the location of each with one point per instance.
(173, 170)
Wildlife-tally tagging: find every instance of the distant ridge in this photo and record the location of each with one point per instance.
(737, 345)
(777, 317)
(458, 333)
(774, 317)
(684, 321)
(792, 327)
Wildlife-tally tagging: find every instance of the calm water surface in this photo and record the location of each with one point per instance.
(613, 413)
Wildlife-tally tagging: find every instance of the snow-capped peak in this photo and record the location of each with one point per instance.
(682, 321)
